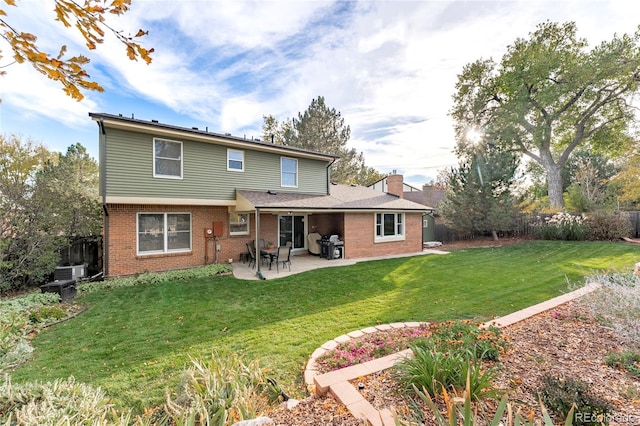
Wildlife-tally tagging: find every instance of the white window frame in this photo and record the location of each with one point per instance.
(181, 159)
(165, 232)
(399, 227)
(229, 159)
(245, 232)
(282, 172)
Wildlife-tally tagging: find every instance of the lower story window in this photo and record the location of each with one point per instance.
(389, 226)
(164, 232)
(238, 223)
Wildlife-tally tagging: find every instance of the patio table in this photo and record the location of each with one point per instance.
(272, 253)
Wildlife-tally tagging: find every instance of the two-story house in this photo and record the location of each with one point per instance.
(176, 197)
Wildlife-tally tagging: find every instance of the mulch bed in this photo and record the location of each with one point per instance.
(564, 342)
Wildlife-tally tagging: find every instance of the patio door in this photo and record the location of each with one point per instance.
(293, 228)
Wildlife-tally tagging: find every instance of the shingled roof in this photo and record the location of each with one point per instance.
(341, 197)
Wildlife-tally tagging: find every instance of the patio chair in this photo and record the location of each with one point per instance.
(266, 256)
(284, 257)
(252, 256)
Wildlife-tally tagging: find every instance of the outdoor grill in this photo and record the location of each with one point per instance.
(331, 247)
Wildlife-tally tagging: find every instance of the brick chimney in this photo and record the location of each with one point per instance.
(395, 185)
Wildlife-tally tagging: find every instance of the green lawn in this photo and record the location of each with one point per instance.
(134, 342)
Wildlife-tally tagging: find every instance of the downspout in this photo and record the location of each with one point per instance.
(329, 174)
(102, 152)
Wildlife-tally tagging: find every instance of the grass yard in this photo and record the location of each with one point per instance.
(134, 342)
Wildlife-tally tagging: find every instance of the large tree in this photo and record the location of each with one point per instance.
(322, 129)
(549, 95)
(586, 183)
(628, 179)
(88, 18)
(45, 200)
(69, 188)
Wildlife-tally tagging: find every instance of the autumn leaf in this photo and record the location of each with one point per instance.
(130, 52)
(88, 19)
(63, 50)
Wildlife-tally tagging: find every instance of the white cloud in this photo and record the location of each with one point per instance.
(25, 89)
(389, 67)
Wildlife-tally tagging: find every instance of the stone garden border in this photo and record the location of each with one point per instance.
(337, 382)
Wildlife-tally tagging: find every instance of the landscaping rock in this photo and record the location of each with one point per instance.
(255, 422)
(290, 403)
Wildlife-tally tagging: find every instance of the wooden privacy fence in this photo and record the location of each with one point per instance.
(523, 225)
(635, 224)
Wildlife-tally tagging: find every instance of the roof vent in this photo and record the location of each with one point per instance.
(194, 128)
(227, 134)
(154, 121)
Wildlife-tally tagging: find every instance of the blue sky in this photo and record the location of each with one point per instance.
(389, 67)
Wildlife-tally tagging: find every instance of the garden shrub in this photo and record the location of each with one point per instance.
(60, 402)
(626, 360)
(559, 396)
(45, 313)
(156, 278)
(453, 351)
(616, 304)
(486, 343)
(15, 347)
(561, 226)
(220, 390)
(607, 225)
(27, 301)
(465, 414)
(433, 370)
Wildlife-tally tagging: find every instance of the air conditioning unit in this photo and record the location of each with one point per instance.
(73, 272)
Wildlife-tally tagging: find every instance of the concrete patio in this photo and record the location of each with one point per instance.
(306, 262)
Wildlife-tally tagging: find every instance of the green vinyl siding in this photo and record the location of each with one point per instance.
(129, 170)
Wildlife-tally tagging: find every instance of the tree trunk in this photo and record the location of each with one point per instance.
(554, 186)
(494, 234)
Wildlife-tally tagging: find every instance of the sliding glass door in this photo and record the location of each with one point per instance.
(293, 228)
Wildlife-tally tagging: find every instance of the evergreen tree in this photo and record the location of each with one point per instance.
(322, 129)
(478, 195)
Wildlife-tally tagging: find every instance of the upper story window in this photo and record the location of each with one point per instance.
(167, 159)
(164, 232)
(238, 223)
(235, 160)
(389, 227)
(288, 172)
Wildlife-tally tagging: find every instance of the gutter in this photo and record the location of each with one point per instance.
(102, 152)
(329, 174)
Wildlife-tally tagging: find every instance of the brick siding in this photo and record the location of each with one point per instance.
(122, 239)
(359, 236)
(357, 230)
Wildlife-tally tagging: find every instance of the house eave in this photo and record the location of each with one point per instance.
(169, 201)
